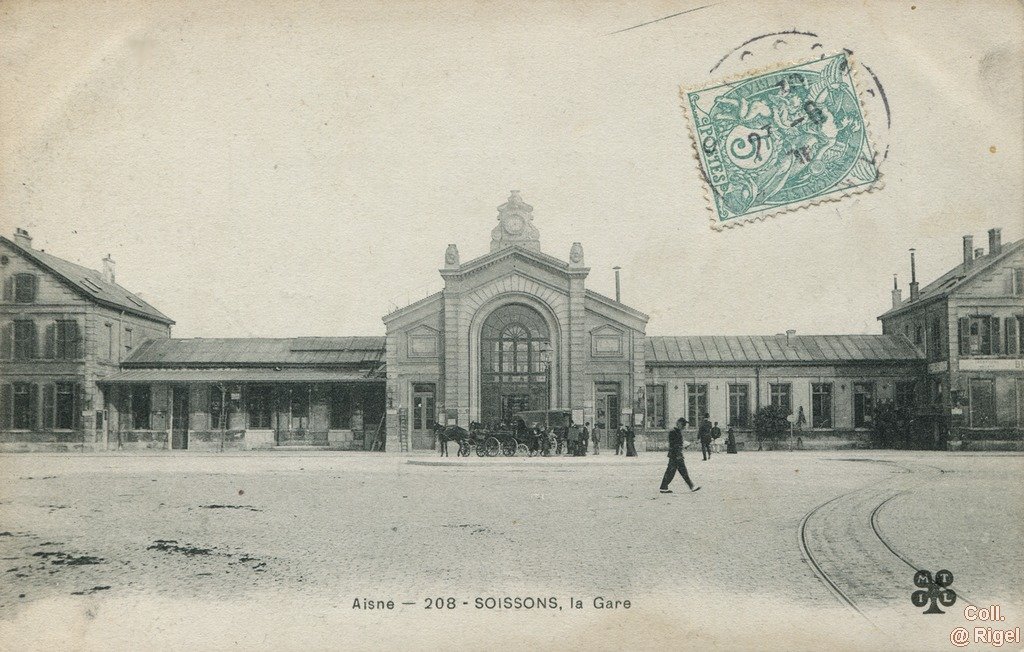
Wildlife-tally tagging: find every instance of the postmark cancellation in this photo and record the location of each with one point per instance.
(774, 141)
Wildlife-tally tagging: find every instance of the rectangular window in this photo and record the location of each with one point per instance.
(128, 340)
(108, 341)
(863, 404)
(64, 412)
(24, 339)
(739, 405)
(24, 406)
(1017, 282)
(936, 348)
(66, 341)
(905, 391)
(260, 401)
(782, 396)
(918, 335)
(936, 392)
(977, 340)
(655, 406)
(340, 403)
(821, 405)
(696, 403)
(139, 406)
(25, 288)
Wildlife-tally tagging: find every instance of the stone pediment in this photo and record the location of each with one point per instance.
(513, 253)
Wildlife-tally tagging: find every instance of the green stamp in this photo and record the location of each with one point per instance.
(776, 141)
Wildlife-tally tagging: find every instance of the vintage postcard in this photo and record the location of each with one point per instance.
(400, 326)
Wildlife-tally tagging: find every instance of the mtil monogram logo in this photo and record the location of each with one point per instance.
(933, 592)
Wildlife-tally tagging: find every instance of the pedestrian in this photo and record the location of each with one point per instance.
(704, 434)
(559, 439)
(675, 459)
(620, 439)
(584, 440)
(595, 437)
(716, 434)
(574, 440)
(630, 442)
(730, 441)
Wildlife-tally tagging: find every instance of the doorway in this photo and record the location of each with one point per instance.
(424, 409)
(983, 403)
(606, 412)
(179, 418)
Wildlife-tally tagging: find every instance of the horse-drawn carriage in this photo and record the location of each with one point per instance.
(518, 438)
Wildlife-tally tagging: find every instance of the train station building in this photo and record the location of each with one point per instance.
(513, 329)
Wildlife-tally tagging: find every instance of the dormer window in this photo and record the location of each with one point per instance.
(25, 288)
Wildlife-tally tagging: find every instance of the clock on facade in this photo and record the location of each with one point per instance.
(514, 225)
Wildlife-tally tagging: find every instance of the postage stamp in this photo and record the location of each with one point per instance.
(775, 141)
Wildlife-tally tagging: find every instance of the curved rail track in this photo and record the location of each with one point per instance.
(842, 542)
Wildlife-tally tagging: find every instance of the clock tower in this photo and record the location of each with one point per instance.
(515, 225)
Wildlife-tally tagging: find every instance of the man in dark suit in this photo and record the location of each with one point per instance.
(675, 458)
(704, 434)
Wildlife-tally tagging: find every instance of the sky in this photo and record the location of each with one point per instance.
(297, 168)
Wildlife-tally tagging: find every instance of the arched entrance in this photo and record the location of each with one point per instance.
(515, 363)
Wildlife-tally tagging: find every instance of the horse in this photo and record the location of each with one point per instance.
(446, 434)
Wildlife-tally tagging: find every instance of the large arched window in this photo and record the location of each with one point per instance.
(513, 370)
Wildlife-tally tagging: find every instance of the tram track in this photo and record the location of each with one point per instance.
(848, 552)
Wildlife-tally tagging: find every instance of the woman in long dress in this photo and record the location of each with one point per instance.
(630, 442)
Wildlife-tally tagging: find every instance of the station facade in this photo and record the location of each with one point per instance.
(514, 329)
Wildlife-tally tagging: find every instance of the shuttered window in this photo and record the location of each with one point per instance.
(67, 340)
(24, 339)
(25, 288)
(25, 406)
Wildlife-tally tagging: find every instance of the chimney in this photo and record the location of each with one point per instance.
(913, 277)
(790, 334)
(897, 294)
(618, 287)
(968, 251)
(22, 237)
(979, 252)
(109, 267)
(995, 241)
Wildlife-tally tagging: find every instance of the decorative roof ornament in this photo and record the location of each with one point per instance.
(576, 255)
(515, 225)
(451, 257)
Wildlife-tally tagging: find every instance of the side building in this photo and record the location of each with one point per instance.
(970, 324)
(830, 385)
(248, 393)
(63, 327)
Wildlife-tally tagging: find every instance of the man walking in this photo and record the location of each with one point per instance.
(595, 437)
(675, 459)
(704, 434)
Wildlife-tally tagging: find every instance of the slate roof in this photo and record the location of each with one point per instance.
(266, 375)
(955, 278)
(774, 349)
(258, 352)
(90, 284)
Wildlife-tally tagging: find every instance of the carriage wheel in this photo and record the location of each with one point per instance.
(523, 449)
(493, 447)
(463, 449)
(481, 448)
(508, 447)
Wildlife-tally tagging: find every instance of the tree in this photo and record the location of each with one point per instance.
(770, 424)
(893, 425)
